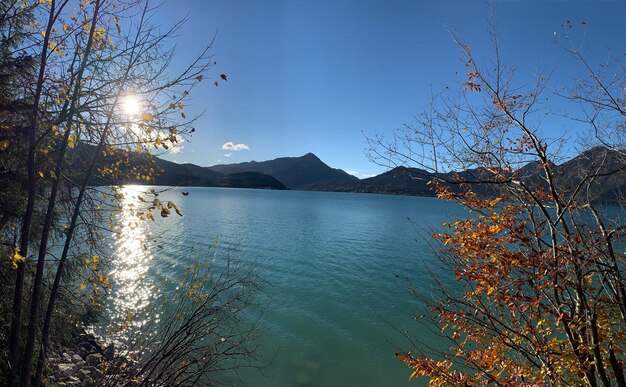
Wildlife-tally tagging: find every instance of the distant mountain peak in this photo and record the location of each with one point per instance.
(294, 172)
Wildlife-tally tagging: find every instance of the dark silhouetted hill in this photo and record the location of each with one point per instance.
(294, 172)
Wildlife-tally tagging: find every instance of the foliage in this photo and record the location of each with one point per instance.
(80, 81)
(540, 263)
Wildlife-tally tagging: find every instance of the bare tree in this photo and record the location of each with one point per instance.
(538, 265)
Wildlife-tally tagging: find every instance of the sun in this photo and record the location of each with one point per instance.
(131, 105)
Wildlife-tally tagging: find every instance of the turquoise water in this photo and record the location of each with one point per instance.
(335, 264)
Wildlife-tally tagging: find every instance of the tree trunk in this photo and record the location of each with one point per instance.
(16, 320)
(45, 233)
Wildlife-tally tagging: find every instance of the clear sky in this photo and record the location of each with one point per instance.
(319, 76)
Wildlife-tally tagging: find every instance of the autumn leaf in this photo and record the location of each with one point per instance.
(71, 141)
(180, 105)
(223, 76)
(16, 259)
(199, 77)
(216, 83)
(4, 144)
(146, 117)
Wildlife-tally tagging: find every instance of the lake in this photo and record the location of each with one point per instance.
(336, 267)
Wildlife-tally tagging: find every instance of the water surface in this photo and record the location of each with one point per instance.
(335, 266)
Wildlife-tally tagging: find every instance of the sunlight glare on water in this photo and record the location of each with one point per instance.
(132, 289)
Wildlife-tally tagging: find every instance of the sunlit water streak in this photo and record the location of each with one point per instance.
(132, 288)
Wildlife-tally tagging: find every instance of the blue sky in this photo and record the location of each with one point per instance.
(319, 76)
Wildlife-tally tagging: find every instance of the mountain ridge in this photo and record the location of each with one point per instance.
(294, 172)
(308, 172)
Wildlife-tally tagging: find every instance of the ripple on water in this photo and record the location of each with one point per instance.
(330, 261)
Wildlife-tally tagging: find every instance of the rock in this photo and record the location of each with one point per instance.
(95, 345)
(85, 346)
(81, 364)
(83, 352)
(88, 382)
(76, 358)
(94, 359)
(67, 357)
(83, 374)
(90, 346)
(65, 370)
(74, 382)
(86, 337)
(109, 352)
(93, 372)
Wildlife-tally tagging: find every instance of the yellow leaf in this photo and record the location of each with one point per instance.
(199, 77)
(180, 105)
(71, 141)
(82, 285)
(4, 144)
(65, 27)
(17, 258)
(145, 116)
(40, 174)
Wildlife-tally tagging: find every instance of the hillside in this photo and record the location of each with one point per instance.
(308, 172)
(294, 172)
(168, 173)
(249, 180)
(568, 175)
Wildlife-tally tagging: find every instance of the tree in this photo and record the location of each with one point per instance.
(539, 296)
(65, 132)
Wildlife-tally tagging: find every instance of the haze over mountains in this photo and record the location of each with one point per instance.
(308, 172)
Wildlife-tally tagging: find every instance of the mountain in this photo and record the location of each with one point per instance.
(168, 173)
(568, 176)
(249, 180)
(610, 164)
(294, 172)
(308, 172)
(184, 174)
(397, 181)
(174, 174)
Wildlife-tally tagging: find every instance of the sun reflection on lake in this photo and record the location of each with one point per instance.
(131, 288)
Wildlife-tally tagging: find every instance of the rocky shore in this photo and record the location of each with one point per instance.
(82, 366)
